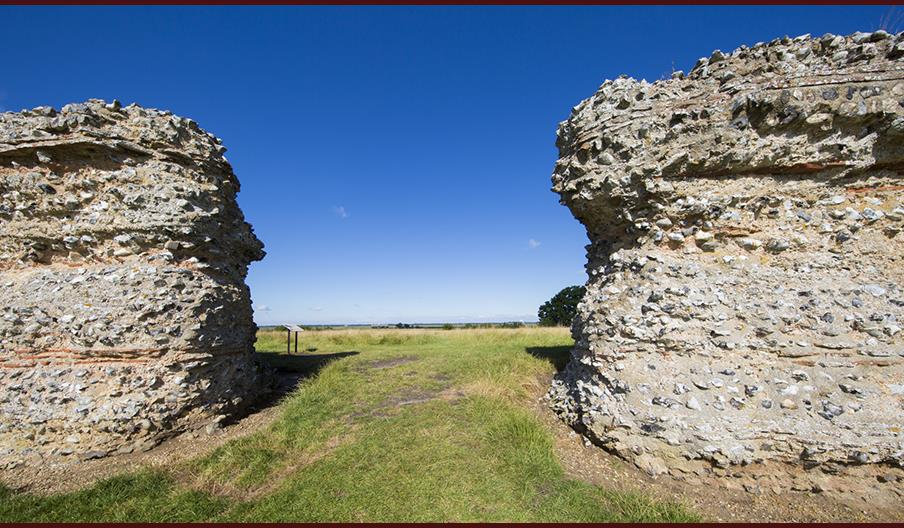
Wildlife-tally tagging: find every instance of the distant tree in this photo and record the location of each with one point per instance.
(560, 310)
(512, 324)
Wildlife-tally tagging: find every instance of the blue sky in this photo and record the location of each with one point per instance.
(394, 160)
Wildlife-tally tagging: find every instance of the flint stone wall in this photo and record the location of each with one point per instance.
(745, 297)
(123, 310)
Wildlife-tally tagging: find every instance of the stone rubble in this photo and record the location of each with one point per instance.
(744, 299)
(124, 316)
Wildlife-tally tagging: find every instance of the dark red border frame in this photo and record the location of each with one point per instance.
(446, 3)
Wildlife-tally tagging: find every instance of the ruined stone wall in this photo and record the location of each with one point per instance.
(744, 298)
(123, 310)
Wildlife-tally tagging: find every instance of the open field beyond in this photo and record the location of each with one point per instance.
(384, 425)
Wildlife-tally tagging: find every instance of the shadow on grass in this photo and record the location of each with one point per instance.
(301, 365)
(557, 355)
(290, 370)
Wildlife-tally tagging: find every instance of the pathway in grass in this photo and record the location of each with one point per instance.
(400, 425)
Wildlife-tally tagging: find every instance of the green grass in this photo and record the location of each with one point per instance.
(145, 496)
(410, 425)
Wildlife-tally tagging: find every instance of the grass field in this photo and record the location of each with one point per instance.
(391, 425)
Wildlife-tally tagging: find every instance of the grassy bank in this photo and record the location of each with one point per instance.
(406, 425)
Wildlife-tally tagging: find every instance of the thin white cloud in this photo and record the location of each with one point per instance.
(316, 309)
(263, 308)
(533, 244)
(341, 212)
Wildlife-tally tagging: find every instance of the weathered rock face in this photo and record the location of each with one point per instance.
(123, 309)
(745, 297)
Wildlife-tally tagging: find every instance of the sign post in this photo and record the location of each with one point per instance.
(289, 330)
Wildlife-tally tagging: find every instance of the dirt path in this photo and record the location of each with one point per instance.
(721, 498)
(716, 498)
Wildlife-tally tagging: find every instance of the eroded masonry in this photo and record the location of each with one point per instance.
(745, 297)
(123, 309)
